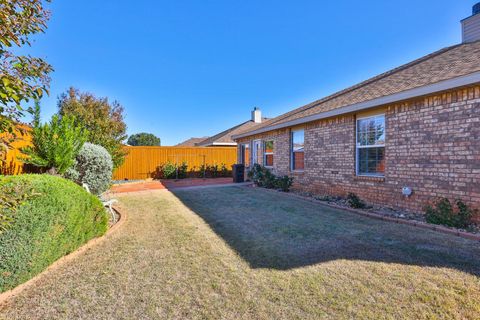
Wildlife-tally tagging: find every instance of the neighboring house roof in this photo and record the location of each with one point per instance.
(225, 138)
(192, 142)
(445, 69)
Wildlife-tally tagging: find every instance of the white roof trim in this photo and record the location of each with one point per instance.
(218, 144)
(404, 95)
(224, 143)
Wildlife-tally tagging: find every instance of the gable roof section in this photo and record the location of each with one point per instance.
(192, 142)
(432, 73)
(225, 138)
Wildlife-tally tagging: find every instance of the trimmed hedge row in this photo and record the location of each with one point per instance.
(56, 218)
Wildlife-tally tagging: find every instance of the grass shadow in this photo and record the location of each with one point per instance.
(274, 231)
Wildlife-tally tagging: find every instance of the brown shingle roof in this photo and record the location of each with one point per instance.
(192, 142)
(225, 137)
(445, 64)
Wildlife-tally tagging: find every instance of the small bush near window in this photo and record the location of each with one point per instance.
(355, 202)
(284, 183)
(263, 177)
(58, 219)
(444, 213)
(256, 174)
(93, 166)
(270, 180)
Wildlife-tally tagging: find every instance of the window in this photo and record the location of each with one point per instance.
(245, 154)
(268, 153)
(257, 151)
(371, 146)
(297, 150)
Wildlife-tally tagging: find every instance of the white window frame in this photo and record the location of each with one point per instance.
(255, 151)
(265, 153)
(358, 146)
(241, 153)
(243, 148)
(292, 152)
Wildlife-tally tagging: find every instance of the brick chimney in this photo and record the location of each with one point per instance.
(257, 115)
(471, 26)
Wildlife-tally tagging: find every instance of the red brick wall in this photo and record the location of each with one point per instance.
(432, 145)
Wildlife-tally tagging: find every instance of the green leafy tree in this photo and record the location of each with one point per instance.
(22, 78)
(144, 139)
(55, 145)
(103, 120)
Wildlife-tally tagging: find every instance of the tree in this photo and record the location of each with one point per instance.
(22, 78)
(144, 139)
(55, 145)
(103, 120)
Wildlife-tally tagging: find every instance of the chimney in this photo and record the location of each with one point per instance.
(257, 115)
(471, 26)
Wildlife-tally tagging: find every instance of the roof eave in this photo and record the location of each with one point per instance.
(457, 82)
(224, 144)
(218, 144)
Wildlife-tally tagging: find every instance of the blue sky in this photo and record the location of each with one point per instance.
(194, 68)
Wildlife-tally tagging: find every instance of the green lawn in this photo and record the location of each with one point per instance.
(244, 253)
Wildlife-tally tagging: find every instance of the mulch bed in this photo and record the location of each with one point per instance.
(384, 211)
(386, 214)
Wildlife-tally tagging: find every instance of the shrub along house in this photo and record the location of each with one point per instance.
(400, 139)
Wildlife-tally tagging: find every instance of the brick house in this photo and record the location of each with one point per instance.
(416, 126)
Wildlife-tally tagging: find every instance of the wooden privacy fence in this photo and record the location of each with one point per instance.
(142, 162)
(10, 165)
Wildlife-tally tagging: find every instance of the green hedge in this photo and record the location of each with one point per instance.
(56, 219)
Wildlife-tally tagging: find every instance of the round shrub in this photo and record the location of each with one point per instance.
(55, 218)
(93, 167)
(263, 177)
(169, 171)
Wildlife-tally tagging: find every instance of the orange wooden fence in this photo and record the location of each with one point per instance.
(11, 165)
(142, 162)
